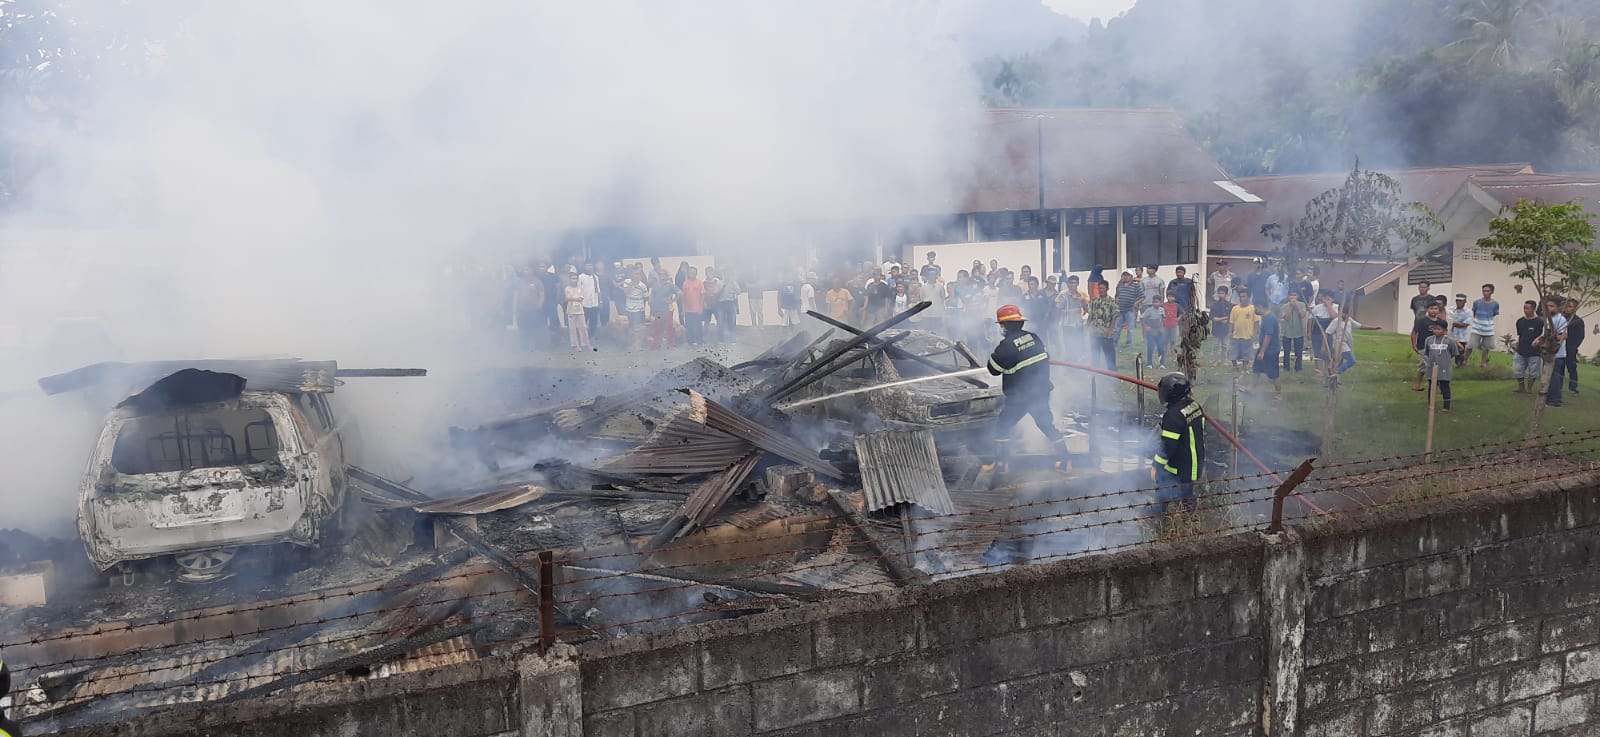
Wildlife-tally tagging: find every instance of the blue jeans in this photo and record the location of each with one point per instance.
(1347, 361)
(1170, 488)
(1552, 393)
(1125, 319)
(694, 327)
(1155, 346)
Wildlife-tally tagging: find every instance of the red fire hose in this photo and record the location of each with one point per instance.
(1217, 425)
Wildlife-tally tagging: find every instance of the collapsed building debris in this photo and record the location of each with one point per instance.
(705, 492)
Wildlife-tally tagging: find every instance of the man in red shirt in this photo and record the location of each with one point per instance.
(694, 307)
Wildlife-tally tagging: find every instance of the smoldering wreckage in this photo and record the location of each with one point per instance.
(241, 548)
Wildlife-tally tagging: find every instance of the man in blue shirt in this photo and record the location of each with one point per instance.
(1267, 355)
(1480, 335)
(1558, 328)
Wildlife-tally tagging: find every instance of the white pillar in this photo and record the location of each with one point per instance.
(1200, 273)
(1122, 245)
(972, 228)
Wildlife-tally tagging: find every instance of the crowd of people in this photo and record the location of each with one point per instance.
(1264, 323)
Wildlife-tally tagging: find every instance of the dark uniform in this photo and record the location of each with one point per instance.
(1183, 448)
(1023, 365)
(7, 727)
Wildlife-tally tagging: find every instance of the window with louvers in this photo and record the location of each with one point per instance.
(1092, 239)
(1165, 235)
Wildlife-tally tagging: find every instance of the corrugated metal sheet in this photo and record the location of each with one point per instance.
(681, 446)
(768, 511)
(902, 467)
(282, 375)
(485, 503)
(841, 571)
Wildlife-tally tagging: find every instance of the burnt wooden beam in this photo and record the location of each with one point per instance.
(828, 358)
(897, 352)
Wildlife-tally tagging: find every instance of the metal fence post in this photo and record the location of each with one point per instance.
(547, 600)
(1284, 490)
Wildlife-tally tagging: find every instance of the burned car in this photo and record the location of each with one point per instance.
(207, 461)
(949, 406)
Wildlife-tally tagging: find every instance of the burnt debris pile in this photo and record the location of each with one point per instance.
(833, 464)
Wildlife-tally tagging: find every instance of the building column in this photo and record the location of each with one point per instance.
(1200, 273)
(1061, 242)
(1122, 244)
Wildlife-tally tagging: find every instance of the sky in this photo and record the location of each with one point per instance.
(1084, 10)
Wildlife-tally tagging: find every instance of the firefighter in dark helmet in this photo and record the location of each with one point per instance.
(1023, 365)
(8, 728)
(1176, 466)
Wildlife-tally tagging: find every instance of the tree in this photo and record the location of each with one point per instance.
(1496, 33)
(1365, 216)
(1553, 247)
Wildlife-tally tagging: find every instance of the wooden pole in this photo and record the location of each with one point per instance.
(1233, 462)
(1138, 369)
(1433, 392)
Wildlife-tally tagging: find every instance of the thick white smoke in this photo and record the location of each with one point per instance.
(303, 178)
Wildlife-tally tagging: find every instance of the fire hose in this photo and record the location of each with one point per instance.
(1081, 367)
(1214, 424)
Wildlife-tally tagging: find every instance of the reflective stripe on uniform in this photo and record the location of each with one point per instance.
(1169, 434)
(993, 366)
(1194, 463)
(1161, 460)
(1024, 363)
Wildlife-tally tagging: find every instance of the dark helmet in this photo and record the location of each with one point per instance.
(1173, 387)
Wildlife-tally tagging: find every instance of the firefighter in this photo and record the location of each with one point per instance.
(7, 727)
(1023, 365)
(1176, 466)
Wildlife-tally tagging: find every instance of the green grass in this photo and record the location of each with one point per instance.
(1379, 414)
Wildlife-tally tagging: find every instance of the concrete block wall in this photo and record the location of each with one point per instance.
(1164, 644)
(1473, 617)
(1477, 620)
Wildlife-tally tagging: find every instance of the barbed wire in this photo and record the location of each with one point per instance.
(1319, 474)
(733, 581)
(1247, 496)
(998, 523)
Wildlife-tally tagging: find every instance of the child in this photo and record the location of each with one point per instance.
(1155, 335)
(1221, 308)
(1439, 352)
(1169, 324)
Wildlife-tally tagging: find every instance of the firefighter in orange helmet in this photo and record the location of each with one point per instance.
(1023, 365)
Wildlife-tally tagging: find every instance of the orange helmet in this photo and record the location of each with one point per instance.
(1009, 313)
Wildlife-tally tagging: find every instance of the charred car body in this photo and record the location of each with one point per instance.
(949, 406)
(212, 458)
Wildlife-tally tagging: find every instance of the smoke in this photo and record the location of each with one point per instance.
(318, 180)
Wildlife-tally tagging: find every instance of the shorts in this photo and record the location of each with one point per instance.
(1244, 349)
(1267, 366)
(1481, 342)
(1527, 367)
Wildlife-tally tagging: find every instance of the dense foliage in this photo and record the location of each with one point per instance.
(1287, 86)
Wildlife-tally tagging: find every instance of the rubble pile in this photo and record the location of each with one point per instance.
(845, 463)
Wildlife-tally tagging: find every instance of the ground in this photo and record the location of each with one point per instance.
(1379, 415)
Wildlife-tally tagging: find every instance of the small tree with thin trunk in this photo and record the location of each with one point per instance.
(1365, 216)
(1553, 247)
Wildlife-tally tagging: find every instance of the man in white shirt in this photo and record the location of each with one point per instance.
(1153, 287)
(808, 294)
(590, 284)
(1460, 322)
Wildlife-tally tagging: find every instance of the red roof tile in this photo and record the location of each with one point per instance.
(1092, 158)
(1547, 188)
